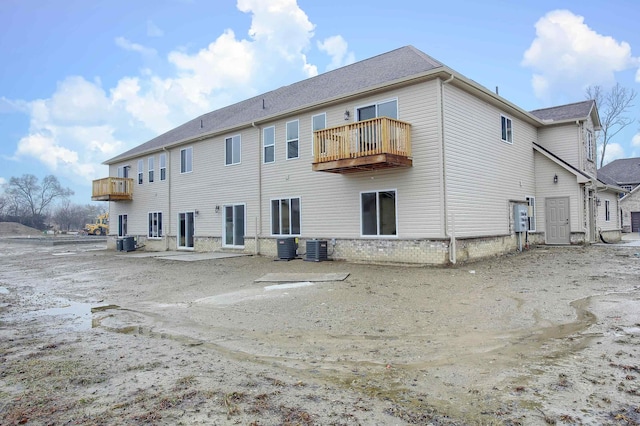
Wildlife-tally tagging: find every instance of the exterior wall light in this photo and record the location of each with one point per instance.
(555, 179)
(347, 114)
(217, 209)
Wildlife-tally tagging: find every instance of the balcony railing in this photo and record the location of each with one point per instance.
(112, 189)
(366, 145)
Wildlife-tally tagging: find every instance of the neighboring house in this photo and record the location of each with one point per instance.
(396, 158)
(625, 172)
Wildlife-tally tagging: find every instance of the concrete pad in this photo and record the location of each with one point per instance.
(194, 257)
(301, 277)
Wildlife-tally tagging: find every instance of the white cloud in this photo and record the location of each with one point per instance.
(2, 182)
(614, 151)
(134, 47)
(635, 141)
(83, 123)
(338, 49)
(567, 55)
(153, 30)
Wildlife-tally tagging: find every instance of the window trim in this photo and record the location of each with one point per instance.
(313, 139)
(589, 143)
(607, 210)
(123, 171)
(264, 147)
(377, 104)
(140, 171)
(157, 235)
(232, 138)
(531, 218)
(162, 164)
(279, 199)
(183, 167)
(151, 168)
(288, 141)
(244, 231)
(509, 135)
(377, 192)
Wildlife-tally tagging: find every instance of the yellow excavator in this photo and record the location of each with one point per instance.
(99, 227)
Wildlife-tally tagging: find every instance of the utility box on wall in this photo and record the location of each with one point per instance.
(520, 215)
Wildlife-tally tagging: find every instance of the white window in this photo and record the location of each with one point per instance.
(123, 171)
(140, 171)
(155, 225)
(151, 169)
(378, 213)
(531, 202)
(292, 139)
(318, 122)
(381, 109)
(590, 149)
(186, 160)
(507, 129)
(269, 144)
(122, 225)
(607, 211)
(163, 166)
(285, 216)
(232, 150)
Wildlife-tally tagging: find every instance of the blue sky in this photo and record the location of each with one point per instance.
(82, 81)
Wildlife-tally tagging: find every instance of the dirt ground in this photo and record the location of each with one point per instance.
(94, 337)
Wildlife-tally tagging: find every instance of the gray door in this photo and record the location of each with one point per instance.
(635, 221)
(557, 213)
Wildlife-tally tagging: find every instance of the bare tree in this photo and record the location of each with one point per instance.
(613, 107)
(33, 196)
(70, 216)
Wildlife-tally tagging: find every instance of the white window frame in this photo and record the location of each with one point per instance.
(290, 140)
(140, 172)
(236, 141)
(162, 164)
(122, 225)
(508, 132)
(154, 233)
(378, 234)
(279, 200)
(271, 145)
(313, 129)
(224, 229)
(589, 144)
(531, 216)
(123, 171)
(186, 160)
(151, 169)
(607, 211)
(377, 105)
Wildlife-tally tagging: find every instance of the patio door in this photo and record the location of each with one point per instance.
(557, 212)
(234, 226)
(185, 230)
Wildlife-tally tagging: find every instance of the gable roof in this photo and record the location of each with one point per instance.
(580, 175)
(569, 112)
(382, 69)
(623, 171)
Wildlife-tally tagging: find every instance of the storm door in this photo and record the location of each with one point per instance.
(185, 230)
(234, 226)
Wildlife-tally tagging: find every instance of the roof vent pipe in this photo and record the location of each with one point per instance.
(497, 91)
(262, 103)
(201, 123)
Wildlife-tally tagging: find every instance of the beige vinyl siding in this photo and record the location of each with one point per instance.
(589, 166)
(484, 173)
(567, 186)
(564, 141)
(614, 221)
(330, 203)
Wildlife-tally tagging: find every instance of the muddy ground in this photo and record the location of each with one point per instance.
(91, 337)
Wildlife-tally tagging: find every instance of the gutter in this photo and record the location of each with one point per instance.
(449, 232)
(168, 172)
(258, 227)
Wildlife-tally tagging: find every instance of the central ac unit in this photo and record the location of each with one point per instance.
(316, 250)
(287, 248)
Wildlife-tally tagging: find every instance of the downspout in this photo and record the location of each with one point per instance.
(258, 225)
(168, 171)
(449, 232)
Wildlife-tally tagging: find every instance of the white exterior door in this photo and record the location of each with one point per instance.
(233, 226)
(557, 214)
(185, 230)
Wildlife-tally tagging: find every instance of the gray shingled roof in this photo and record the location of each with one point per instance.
(573, 111)
(625, 171)
(385, 68)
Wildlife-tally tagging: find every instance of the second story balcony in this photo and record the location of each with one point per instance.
(365, 145)
(112, 189)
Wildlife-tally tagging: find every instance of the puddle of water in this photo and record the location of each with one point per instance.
(74, 316)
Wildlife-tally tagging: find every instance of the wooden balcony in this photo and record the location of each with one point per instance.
(373, 144)
(112, 189)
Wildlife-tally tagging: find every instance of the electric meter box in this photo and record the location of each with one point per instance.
(520, 218)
